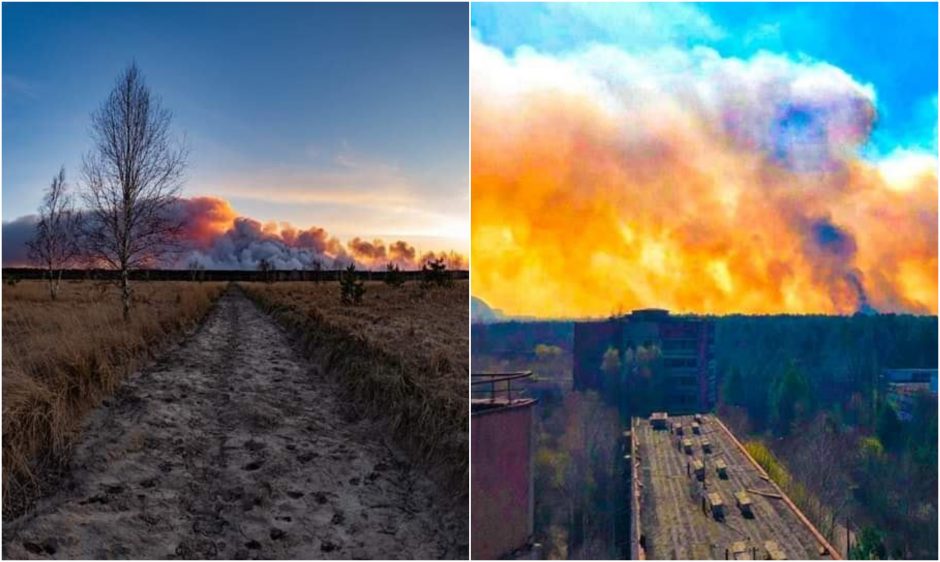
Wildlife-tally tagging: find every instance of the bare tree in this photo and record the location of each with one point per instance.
(133, 176)
(311, 271)
(197, 271)
(55, 244)
(267, 269)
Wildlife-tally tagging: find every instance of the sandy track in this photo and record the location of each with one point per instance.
(234, 447)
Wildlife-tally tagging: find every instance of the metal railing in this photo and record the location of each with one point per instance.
(497, 387)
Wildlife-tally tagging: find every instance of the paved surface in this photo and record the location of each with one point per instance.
(234, 447)
(672, 519)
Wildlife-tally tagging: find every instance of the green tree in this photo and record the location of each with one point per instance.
(889, 428)
(546, 351)
(790, 400)
(922, 438)
(434, 274)
(610, 364)
(871, 448)
(733, 389)
(611, 367)
(351, 288)
(393, 275)
(869, 545)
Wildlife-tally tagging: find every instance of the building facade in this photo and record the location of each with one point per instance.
(502, 447)
(649, 351)
(904, 387)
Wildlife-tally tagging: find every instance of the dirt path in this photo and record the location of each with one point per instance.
(234, 447)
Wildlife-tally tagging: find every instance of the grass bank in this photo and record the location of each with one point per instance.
(400, 356)
(62, 357)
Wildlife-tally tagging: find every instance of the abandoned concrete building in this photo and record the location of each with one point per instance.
(903, 387)
(682, 348)
(714, 502)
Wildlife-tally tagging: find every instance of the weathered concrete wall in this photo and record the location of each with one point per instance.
(591, 340)
(501, 480)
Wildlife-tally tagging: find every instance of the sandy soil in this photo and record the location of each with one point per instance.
(234, 447)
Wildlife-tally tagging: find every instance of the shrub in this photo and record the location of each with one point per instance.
(393, 276)
(869, 545)
(766, 459)
(351, 288)
(434, 273)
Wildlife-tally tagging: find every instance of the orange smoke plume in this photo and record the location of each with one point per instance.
(217, 237)
(603, 182)
(205, 219)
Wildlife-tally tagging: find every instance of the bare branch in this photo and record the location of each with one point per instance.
(55, 244)
(132, 177)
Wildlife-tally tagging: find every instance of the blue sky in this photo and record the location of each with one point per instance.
(349, 117)
(892, 46)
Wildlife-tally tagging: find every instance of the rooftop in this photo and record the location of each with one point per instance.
(495, 391)
(673, 518)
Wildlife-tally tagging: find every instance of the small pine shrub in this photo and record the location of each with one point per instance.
(394, 276)
(434, 274)
(351, 289)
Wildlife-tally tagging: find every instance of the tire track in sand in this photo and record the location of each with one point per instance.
(234, 447)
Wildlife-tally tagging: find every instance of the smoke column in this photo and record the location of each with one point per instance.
(603, 182)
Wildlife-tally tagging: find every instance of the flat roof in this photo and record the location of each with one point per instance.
(671, 518)
(488, 406)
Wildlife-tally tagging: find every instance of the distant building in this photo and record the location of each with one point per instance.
(502, 446)
(903, 387)
(683, 348)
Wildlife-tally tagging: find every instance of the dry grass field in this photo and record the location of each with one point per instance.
(61, 358)
(401, 356)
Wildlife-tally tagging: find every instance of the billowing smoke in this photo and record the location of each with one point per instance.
(16, 234)
(833, 251)
(369, 252)
(220, 239)
(452, 259)
(606, 181)
(401, 252)
(216, 237)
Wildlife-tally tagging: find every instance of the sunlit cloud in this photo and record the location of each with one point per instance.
(606, 180)
(355, 194)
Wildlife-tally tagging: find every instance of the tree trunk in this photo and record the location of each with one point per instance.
(53, 286)
(126, 294)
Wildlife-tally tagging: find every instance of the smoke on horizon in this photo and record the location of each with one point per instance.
(216, 237)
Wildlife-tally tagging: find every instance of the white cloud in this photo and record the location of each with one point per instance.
(802, 110)
(560, 26)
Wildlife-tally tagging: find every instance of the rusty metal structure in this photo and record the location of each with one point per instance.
(502, 446)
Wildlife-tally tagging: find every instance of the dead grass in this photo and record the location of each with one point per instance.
(61, 358)
(402, 356)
